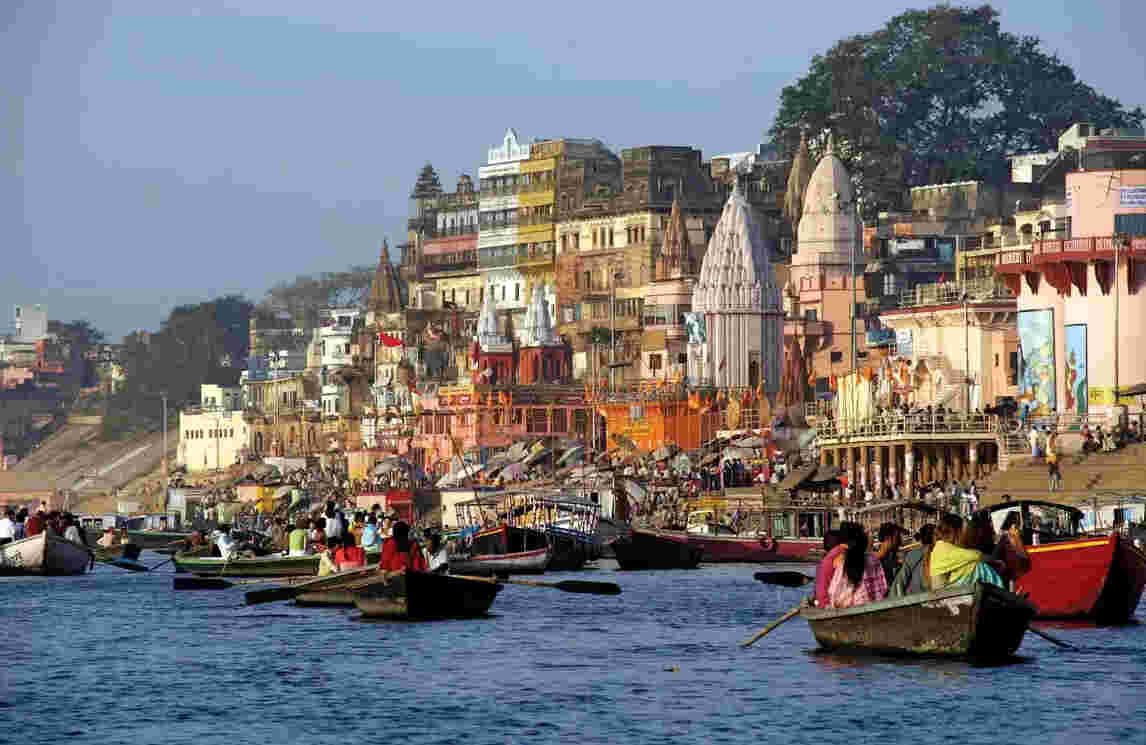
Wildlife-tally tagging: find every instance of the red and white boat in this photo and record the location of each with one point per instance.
(501, 550)
(718, 542)
(1075, 575)
(44, 554)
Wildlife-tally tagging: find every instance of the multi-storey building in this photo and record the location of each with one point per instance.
(607, 253)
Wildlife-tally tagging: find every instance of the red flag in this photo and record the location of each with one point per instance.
(943, 277)
(722, 363)
(388, 340)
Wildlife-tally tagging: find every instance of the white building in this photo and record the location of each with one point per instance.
(30, 322)
(210, 440)
(737, 323)
(225, 398)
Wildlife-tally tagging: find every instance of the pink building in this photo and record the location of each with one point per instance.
(1081, 308)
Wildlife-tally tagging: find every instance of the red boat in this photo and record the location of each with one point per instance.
(796, 533)
(1072, 575)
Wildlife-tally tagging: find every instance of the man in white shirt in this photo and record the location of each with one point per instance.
(226, 544)
(71, 532)
(8, 527)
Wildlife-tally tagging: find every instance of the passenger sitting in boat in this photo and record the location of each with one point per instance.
(400, 553)
(298, 539)
(35, 524)
(833, 546)
(8, 527)
(912, 575)
(349, 555)
(370, 536)
(1010, 551)
(858, 577)
(225, 543)
(327, 564)
(436, 554)
(71, 532)
(890, 539)
(317, 536)
(951, 563)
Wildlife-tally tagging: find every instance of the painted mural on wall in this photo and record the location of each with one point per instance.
(1075, 368)
(1036, 343)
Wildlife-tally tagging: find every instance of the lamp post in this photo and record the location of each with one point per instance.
(166, 475)
(966, 357)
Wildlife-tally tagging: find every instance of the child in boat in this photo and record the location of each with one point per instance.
(953, 561)
(858, 576)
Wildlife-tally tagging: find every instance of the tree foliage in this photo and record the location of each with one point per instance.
(200, 343)
(938, 95)
(306, 294)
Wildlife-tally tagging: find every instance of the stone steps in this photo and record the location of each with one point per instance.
(1083, 476)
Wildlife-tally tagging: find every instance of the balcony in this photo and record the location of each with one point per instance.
(451, 232)
(1077, 249)
(952, 293)
(894, 425)
(510, 190)
(433, 270)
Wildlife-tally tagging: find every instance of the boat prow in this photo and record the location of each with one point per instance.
(44, 554)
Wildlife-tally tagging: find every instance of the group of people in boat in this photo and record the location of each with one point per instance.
(16, 525)
(956, 551)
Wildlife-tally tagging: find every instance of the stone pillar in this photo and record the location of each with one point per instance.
(909, 469)
(973, 458)
(823, 456)
(958, 456)
(863, 461)
(925, 453)
(892, 468)
(881, 468)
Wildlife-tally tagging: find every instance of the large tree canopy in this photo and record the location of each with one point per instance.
(938, 95)
(303, 297)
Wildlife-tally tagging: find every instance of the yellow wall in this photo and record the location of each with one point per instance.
(539, 165)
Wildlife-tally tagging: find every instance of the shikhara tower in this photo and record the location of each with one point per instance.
(740, 303)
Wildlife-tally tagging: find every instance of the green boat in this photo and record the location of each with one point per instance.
(272, 565)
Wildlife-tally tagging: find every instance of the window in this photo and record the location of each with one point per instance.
(654, 362)
(610, 237)
(1013, 372)
(889, 287)
(810, 314)
(1130, 224)
(517, 291)
(996, 359)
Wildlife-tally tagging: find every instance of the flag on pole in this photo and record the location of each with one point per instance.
(721, 367)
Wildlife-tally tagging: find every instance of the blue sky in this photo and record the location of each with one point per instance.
(154, 153)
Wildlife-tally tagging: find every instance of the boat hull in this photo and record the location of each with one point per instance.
(156, 540)
(262, 566)
(568, 554)
(645, 549)
(523, 562)
(1095, 578)
(44, 554)
(424, 596)
(752, 549)
(981, 622)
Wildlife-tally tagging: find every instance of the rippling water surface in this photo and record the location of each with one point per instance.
(116, 657)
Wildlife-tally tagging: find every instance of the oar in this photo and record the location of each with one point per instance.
(168, 560)
(760, 634)
(569, 585)
(332, 581)
(784, 579)
(1050, 638)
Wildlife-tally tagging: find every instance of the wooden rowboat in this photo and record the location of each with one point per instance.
(272, 565)
(425, 596)
(650, 549)
(44, 554)
(979, 621)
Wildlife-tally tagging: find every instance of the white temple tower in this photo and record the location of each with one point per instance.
(737, 295)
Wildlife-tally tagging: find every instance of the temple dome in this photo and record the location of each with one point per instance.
(829, 223)
(386, 288)
(488, 335)
(736, 274)
(538, 331)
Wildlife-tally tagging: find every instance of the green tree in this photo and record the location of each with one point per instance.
(306, 294)
(937, 95)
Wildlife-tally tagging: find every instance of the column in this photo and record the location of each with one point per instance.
(973, 458)
(823, 456)
(892, 468)
(863, 461)
(926, 452)
(958, 456)
(881, 468)
(909, 469)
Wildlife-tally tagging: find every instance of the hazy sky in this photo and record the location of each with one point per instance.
(156, 153)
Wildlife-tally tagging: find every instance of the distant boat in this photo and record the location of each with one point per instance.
(980, 621)
(425, 596)
(44, 554)
(492, 552)
(271, 565)
(651, 549)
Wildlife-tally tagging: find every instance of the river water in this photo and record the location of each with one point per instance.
(115, 657)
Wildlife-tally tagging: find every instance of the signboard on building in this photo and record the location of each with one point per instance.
(903, 344)
(1132, 196)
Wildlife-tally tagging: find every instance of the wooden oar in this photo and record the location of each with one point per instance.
(760, 634)
(218, 583)
(165, 561)
(329, 582)
(784, 579)
(569, 585)
(1050, 638)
